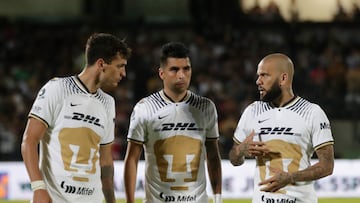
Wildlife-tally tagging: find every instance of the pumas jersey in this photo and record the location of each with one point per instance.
(173, 136)
(292, 133)
(78, 123)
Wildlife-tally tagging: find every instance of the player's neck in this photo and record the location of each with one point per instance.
(175, 97)
(88, 81)
(283, 100)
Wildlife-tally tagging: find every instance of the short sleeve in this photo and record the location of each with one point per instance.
(110, 130)
(137, 126)
(212, 130)
(47, 99)
(243, 127)
(321, 128)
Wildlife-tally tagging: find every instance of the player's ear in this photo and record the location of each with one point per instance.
(161, 72)
(284, 78)
(101, 64)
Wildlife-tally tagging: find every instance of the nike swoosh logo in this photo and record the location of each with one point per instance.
(161, 117)
(260, 121)
(71, 104)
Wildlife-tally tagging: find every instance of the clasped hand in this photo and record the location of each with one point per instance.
(259, 150)
(254, 148)
(279, 180)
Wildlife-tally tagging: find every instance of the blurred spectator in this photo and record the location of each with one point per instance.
(355, 12)
(353, 82)
(342, 15)
(294, 12)
(271, 13)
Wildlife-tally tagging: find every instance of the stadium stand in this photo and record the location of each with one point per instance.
(326, 57)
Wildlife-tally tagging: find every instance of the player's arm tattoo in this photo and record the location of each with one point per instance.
(322, 168)
(107, 179)
(241, 150)
(237, 154)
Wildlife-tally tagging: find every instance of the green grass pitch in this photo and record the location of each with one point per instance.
(321, 200)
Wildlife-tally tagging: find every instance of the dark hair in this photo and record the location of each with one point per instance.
(105, 46)
(173, 50)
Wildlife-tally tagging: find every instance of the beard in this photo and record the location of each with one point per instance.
(273, 93)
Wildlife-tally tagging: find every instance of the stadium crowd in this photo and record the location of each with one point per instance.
(326, 57)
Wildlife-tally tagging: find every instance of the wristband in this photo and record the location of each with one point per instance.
(38, 185)
(217, 198)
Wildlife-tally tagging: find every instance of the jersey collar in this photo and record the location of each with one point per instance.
(291, 102)
(168, 99)
(82, 86)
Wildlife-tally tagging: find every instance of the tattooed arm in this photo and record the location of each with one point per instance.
(322, 168)
(247, 148)
(107, 173)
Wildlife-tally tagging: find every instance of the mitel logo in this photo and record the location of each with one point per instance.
(277, 200)
(85, 118)
(77, 190)
(178, 198)
(178, 126)
(167, 198)
(324, 126)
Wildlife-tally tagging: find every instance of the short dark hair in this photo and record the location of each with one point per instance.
(173, 50)
(105, 46)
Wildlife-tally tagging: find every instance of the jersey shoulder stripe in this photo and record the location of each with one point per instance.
(154, 102)
(259, 107)
(302, 107)
(71, 85)
(107, 100)
(203, 104)
(68, 86)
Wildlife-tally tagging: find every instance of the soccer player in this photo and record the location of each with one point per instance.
(179, 132)
(282, 131)
(73, 120)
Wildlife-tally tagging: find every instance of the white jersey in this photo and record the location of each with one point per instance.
(295, 131)
(173, 136)
(78, 123)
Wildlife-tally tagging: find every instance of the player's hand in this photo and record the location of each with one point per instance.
(41, 196)
(254, 148)
(276, 182)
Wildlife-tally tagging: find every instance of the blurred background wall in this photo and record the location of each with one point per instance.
(169, 10)
(41, 39)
